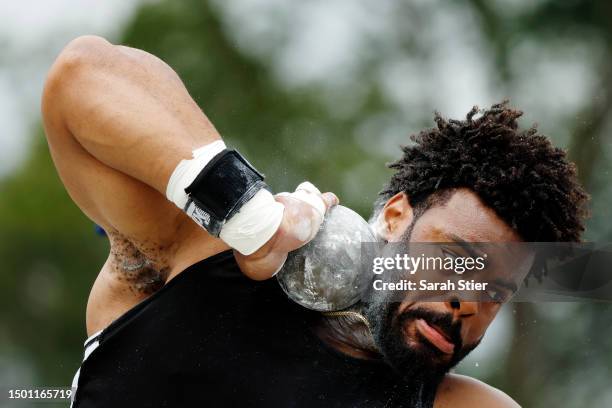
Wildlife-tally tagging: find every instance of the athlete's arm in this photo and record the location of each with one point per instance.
(130, 113)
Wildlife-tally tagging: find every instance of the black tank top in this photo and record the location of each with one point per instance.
(213, 338)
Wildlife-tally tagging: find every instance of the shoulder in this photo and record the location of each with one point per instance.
(460, 391)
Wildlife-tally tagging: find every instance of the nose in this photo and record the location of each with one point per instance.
(461, 309)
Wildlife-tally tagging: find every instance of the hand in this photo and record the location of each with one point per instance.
(303, 215)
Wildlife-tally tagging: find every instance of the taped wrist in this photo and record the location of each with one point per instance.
(223, 186)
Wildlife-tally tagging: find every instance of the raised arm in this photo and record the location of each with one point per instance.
(118, 122)
(126, 107)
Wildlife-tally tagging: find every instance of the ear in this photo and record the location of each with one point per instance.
(395, 217)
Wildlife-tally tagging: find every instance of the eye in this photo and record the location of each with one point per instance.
(448, 253)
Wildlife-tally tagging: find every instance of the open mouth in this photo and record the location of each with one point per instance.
(435, 336)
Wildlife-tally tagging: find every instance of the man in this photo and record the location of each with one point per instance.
(172, 318)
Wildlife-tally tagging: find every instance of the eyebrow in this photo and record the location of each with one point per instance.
(475, 253)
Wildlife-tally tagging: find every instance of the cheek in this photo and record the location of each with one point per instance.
(399, 231)
(421, 233)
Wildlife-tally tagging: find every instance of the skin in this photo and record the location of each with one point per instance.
(446, 223)
(118, 120)
(463, 217)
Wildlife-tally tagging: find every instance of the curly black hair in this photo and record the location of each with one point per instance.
(528, 182)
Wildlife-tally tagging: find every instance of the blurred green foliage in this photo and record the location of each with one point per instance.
(49, 255)
(289, 136)
(559, 354)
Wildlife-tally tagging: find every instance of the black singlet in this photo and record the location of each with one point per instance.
(213, 338)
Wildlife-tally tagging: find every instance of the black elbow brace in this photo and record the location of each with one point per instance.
(223, 186)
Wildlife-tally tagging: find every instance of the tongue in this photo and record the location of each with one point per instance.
(434, 337)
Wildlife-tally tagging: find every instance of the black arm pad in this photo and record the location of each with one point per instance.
(221, 189)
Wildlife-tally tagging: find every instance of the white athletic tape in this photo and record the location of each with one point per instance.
(209, 151)
(258, 219)
(254, 224)
(187, 170)
(250, 228)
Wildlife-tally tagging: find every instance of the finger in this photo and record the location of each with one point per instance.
(330, 199)
(300, 221)
(309, 187)
(314, 200)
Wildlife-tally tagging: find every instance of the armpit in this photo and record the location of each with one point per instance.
(144, 268)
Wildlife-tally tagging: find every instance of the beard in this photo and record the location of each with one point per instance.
(388, 328)
(420, 364)
(412, 356)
